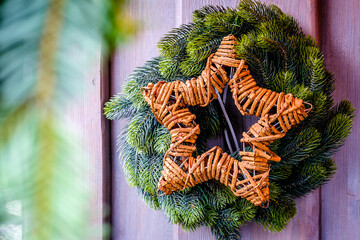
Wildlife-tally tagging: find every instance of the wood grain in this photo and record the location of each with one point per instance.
(84, 117)
(340, 215)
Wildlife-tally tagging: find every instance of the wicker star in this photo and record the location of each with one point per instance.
(248, 178)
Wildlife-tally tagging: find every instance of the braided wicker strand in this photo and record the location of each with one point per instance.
(247, 178)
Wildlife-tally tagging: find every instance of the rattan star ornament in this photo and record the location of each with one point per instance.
(277, 112)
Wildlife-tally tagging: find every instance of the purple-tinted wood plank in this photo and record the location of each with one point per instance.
(340, 218)
(132, 219)
(83, 116)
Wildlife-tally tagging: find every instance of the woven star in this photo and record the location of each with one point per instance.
(277, 112)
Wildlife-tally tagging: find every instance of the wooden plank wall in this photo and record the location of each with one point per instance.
(83, 116)
(340, 199)
(333, 212)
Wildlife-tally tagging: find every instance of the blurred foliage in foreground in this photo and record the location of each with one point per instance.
(43, 45)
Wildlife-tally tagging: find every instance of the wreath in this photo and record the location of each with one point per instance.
(273, 54)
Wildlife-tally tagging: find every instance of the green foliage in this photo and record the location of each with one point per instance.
(281, 58)
(119, 107)
(200, 14)
(219, 196)
(227, 225)
(163, 138)
(140, 132)
(307, 177)
(256, 12)
(299, 145)
(277, 215)
(185, 49)
(173, 44)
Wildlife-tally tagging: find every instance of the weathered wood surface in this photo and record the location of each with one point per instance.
(83, 115)
(132, 219)
(340, 198)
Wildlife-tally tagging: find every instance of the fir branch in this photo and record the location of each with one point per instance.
(334, 136)
(229, 22)
(283, 80)
(119, 107)
(200, 14)
(174, 43)
(200, 47)
(308, 177)
(255, 12)
(296, 145)
(277, 215)
(140, 133)
(191, 68)
(162, 140)
(169, 67)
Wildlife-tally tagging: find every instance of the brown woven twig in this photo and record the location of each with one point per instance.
(248, 178)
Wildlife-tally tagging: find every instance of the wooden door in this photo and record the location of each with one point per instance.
(332, 212)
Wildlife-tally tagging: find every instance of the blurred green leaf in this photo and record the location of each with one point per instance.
(43, 48)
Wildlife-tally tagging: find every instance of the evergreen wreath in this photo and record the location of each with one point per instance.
(281, 58)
